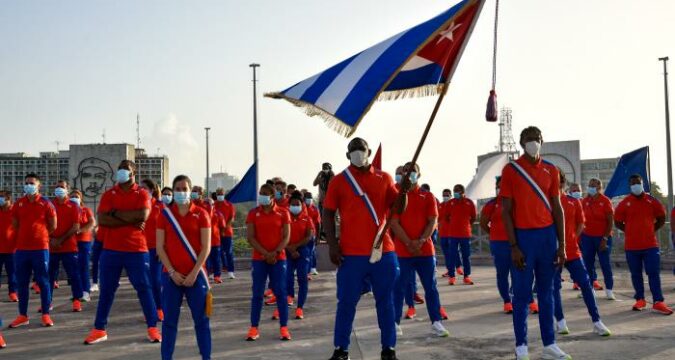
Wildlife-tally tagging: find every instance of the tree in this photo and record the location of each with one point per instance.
(658, 194)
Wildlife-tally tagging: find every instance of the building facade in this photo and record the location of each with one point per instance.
(222, 180)
(602, 169)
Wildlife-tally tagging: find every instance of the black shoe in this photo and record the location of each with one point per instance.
(339, 354)
(388, 354)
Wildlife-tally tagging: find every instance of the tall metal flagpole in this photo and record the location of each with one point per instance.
(670, 163)
(255, 126)
(208, 173)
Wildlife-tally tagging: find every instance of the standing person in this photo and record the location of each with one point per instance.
(596, 238)
(226, 247)
(315, 216)
(297, 252)
(415, 250)
(280, 195)
(462, 213)
(150, 231)
(268, 231)
(574, 224)
(639, 216)
(124, 210)
(7, 243)
(444, 234)
(63, 244)
(87, 224)
(360, 218)
(167, 196)
(535, 226)
(322, 180)
(34, 218)
(217, 228)
(96, 249)
(183, 246)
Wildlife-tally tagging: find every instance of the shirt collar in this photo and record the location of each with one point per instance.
(354, 170)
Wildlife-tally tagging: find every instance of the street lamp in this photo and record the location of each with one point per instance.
(255, 125)
(207, 194)
(670, 163)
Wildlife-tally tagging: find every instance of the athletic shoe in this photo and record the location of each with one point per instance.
(600, 329)
(439, 330)
(3, 344)
(47, 321)
(314, 272)
(299, 314)
(418, 299)
(275, 314)
(231, 275)
(399, 330)
(217, 280)
(253, 334)
(13, 297)
(339, 354)
(562, 327)
(272, 300)
(521, 353)
(446, 274)
(284, 334)
(153, 335)
(596, 285)
(610, 294)
(640, 305)
(268, 293)
(289, 300)
(36, 288)
(576, 287)
(553, 352)
(388, 354)
(56, 285)
(86, 297)
(96, 336)
(468, 281)
(20, 320)
(508, 308)
(160, 315)
(444, 315)
(94, 287)
(459, 270)
(534, 308)
(451, 280)
(77, 306)
(662, 308)
(411, 313)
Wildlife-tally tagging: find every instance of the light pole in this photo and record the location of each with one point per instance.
(670, 163)
(207, 194)
(255, 125)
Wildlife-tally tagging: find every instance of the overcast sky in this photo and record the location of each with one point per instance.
(585, 70)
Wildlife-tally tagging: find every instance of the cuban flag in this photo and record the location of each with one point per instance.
(415, 62)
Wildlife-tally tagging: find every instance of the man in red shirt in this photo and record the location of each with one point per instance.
(415, 250)
(63, 243)
(315, 215)
(639, 216)
(84, 237)
(361, 217)
(596, 238)
(150, 232)
(535, 227)
(7, 242)
(123, 210)
(34, 218)
(461, 214)
(226, 249)
(280, 195)
(444, 234)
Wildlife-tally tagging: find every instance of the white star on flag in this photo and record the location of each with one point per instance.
(447, 33)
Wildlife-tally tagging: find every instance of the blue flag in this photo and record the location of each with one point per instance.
(415, 62)
(245, 190)
(634, 162)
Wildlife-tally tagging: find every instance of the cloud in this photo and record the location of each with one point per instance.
(176, 140)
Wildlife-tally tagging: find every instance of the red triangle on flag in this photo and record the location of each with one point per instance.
(377, 160)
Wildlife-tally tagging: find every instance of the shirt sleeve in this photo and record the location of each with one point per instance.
(145, 201)
(204, 221)
(620, 212)
(608, 206)
(659, 210)
(488, 209)
(392, 191)
(233, 212)
(161, 222)
(506, 185)
(554, 189)
(286, 217)
(250, 218)
(580, 218)
(105, 205)
(332, 199)
(432, 209)
(50, 210)
(473, 208)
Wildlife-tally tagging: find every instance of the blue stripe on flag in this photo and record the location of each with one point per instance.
(408, 79)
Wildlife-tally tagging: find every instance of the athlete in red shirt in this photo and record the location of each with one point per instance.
(444, 234)
(7, 243)
(280, 195)
(461, 213)
(34, 219)
(84, 237)
(184, 260)
(359, 225)
(639, 216)
(297, 252)
(217, 228)
(227, 250)
(123, 211)
(596, 238)
(150, 232)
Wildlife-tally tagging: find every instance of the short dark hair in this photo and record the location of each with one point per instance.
(528, 130)
(214, 196)
(180, 178)
(131, 164)
(267, 187)
(296, 195)
(460, 186)
(426, 187)
(635, 176)
(292, 185)
(308, 195)
(154, 188)
(280, 182)
(269, 182)
(167, 188)
(32, 175)
(447, 190)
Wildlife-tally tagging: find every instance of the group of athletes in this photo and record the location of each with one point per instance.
(174, 243)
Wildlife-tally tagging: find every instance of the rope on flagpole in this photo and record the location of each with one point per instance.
(492, 110)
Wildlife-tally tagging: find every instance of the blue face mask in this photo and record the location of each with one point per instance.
(295, 209)
(75, 201)
(576, 194)
(446, 198)
(60, 192)
(413, 177)
(278, 195)
(194, 195)
(166, 199)
(457, 195)
(637, 189)
(122, 176)
(181, 197)
(308, 202)
(592, 190)
(30, 189)
(2, 201)
(264, 200)
(398, 178)
(220, 197)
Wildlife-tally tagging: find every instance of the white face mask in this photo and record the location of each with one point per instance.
(358, 158)
(532, 148)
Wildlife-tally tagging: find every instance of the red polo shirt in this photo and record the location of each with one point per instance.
(313, 213)
(529, 210)
(357, 228)
(67, 215)
(126, 238)
(32, 217)
(444, 219)
(268, 228)
(574, 215)
(299, 226)
(217, 223)
(229, 212)
(596, 210)
(192, 223)
(85, 215)
(639, 214)
(421, 206)
(151, 224)
(7, 233)
(492, 211)
(462, 212)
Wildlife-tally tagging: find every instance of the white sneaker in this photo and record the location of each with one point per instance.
(600, 329)
(562, 327)
(231, 275)
(553, 352)
(86, 297)
(610, 294)
(439, 330)
(521, 353)
(314, 272)
(399, 331)
(94, 287)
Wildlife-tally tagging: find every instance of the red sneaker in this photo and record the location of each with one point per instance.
(268, 293)
(418, 299)
(444, 315)
(596, 285)
(576, 287)
(20, 320)
(13, 297)
(639, 305)
(459, 270)
(253, 334)
(153, 335)
(299, 314)
(289, 300)
(3, 344)
(217, 280)
(77, 306)
(284, 334)
(508, 308)
(662, 308)
(36, 288)
(275, 314)
(272, 300)
(47, 321)
(411, 313)
(160, 315)
(451, 280)
(468, 281)
(96, 336)
(534, 308)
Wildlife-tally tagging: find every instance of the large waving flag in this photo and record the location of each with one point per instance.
(634, 162)
(245, 190)
(415, 62)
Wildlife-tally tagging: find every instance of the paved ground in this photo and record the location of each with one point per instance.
(479, 329)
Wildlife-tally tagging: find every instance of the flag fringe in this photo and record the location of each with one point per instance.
(312, 110)
(420, 91)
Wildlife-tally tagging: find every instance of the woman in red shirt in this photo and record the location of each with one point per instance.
(151, 238)
(184, 274)
(297, 252)
(87, 224)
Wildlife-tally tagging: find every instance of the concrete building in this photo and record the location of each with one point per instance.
(222, 180)
(602, 169)
(566, 155)
(153, 167)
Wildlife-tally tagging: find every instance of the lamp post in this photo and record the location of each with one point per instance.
(207, 194)
(255, 125)
(670, 163)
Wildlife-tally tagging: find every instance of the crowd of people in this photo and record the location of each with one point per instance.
(174, 243)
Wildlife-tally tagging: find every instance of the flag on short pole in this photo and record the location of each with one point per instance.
(412, 63)
(634, 162)
(245, 190)
(377, 160)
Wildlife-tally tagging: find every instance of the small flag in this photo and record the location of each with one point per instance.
(415, 62)
(246, 190)
(634, 162)
(377, 160)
